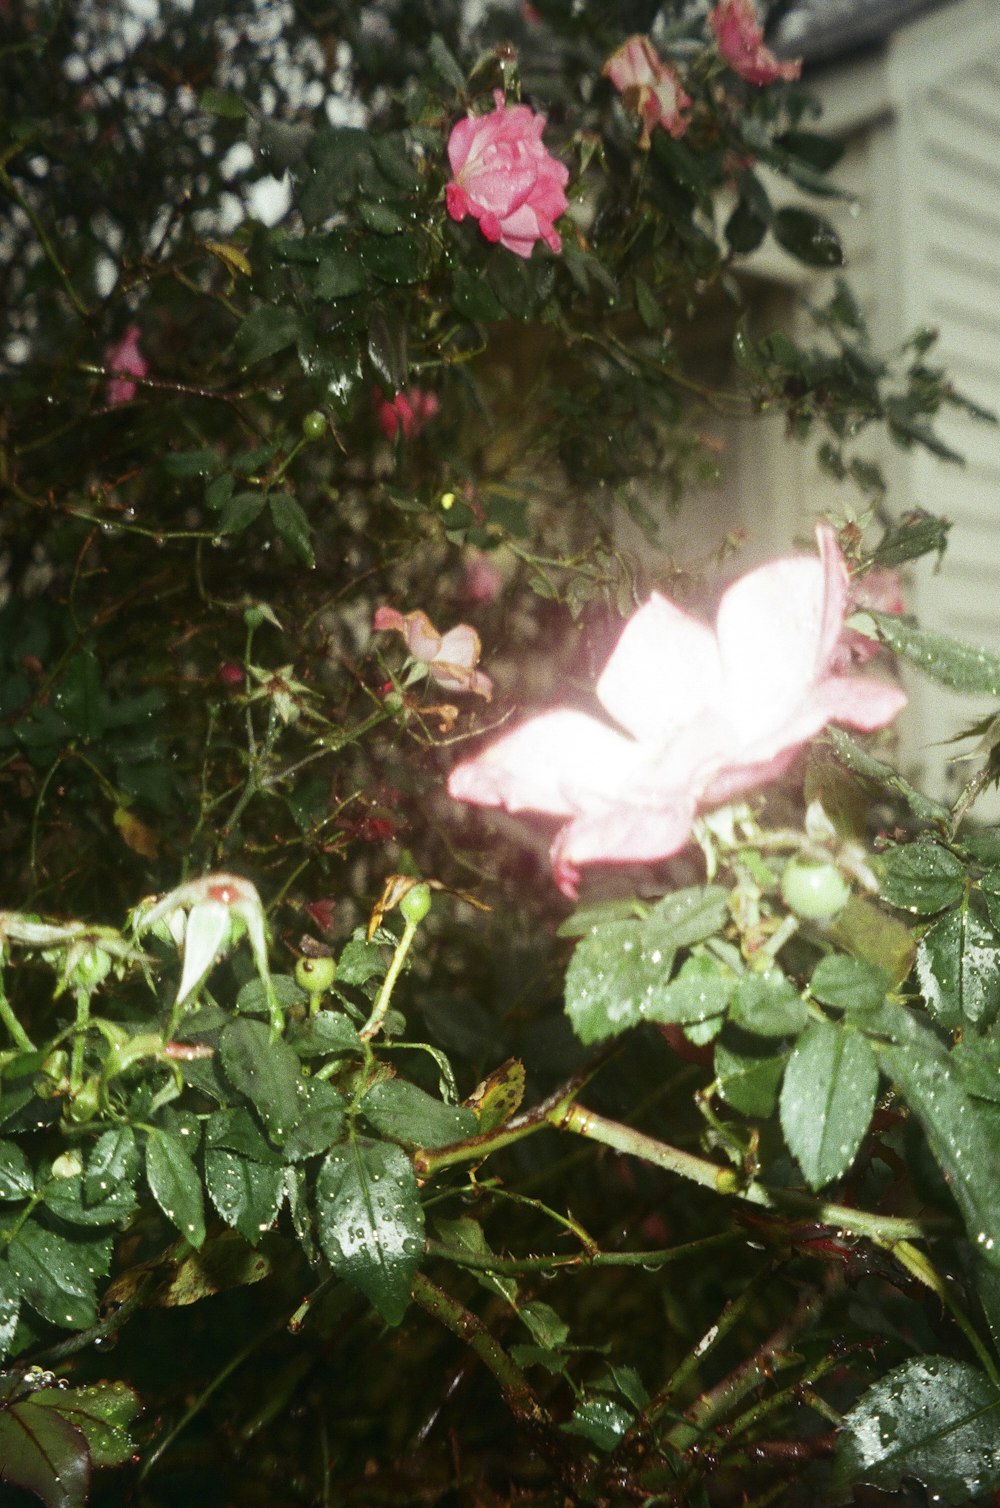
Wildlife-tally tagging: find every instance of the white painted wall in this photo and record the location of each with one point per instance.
(922, 127)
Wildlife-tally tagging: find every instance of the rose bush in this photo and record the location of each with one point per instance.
(709, 715)
(254, 1120)
(506, 179)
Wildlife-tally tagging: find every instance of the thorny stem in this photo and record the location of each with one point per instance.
(884, 1229)
(708, 1343)
(562, 1112)
(107, 1326)
(577, 1261)
(754, 1370)
(514, 1386)
(429, 1160)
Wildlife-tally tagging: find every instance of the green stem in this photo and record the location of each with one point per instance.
(429, 1160)
(577, 1261)
(79, 1041)
(514, 1386)
(7, 1233)
(885, 1229)
(18, 1034)
(756, 1369)
(381, 1005)
(45, 243)
(110, 1325)
(165, 1442)
(920, 1267)
(696, 1357)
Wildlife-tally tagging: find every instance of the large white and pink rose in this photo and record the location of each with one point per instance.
(706, 715)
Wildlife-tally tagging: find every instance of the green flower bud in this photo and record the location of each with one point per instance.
(814, 891)
(315, 975)
(314, 425)
(416, 903)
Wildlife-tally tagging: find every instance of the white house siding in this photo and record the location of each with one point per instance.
(922, 126)
(945, 75)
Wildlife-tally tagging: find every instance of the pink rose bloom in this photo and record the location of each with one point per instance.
(881, 591)
(506, 179)
(648, 86)
(740, 39)
(707, 715)
(125, 357)
(408, 411)
(451, 658)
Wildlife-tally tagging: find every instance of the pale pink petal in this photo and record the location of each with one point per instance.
(663, 671)
(836, 592)
(859, 701)
(562, 763)
(686, 761)
(773, 629)
(460, 646)
(461, 678)
(460, 143)
(626, 835)
(388, 618)
(736, 779)
(422, 638)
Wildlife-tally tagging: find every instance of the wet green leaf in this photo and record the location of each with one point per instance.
(405, 1112)
(700, 990)
(174, 1183)
(854, 757)
(958, 966)
(339, 275)
(963, 667)
(56, 1274)
(239, 512)
(603, 1421)
(370, 1222)
(808, 237)
(615, 976)
(932, 1418)
(265, 332)
(691, 915)
(266, 1072)
(848, 984)
(922, 877)
(10, 1307)
(292, 526)
(749, 1082)
(827, 1100)
(768, 1005)
(16, 1178)
(320, 1121)
(960, 1137)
